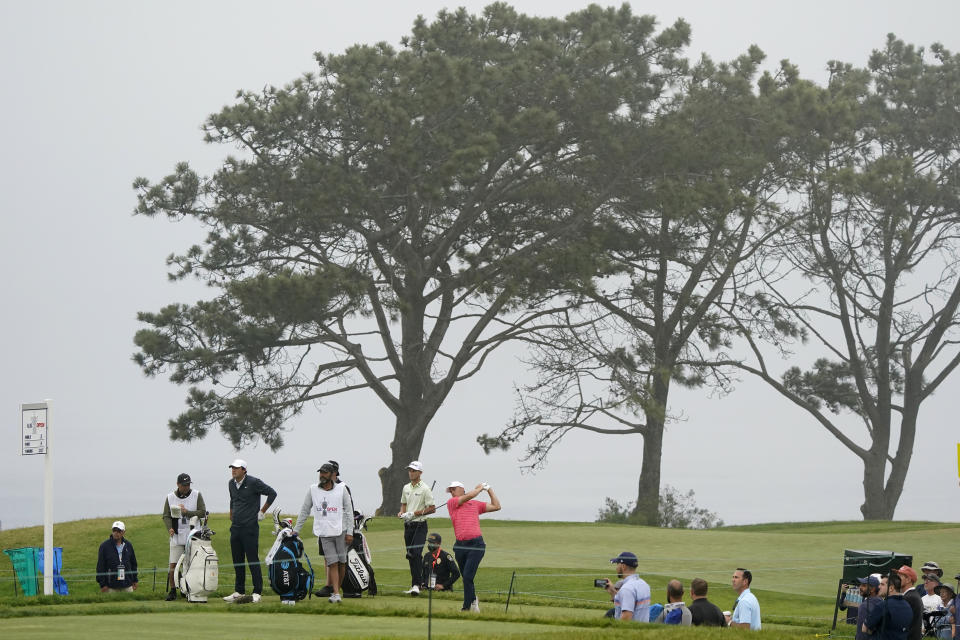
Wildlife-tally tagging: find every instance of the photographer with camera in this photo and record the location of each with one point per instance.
(632, 598)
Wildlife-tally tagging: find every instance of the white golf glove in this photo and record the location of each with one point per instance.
(408, 516)
(486, 486)
(260, 515)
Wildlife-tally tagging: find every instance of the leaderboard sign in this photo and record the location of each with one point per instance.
(34, 423)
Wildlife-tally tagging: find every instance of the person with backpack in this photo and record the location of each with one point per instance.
(675, 611)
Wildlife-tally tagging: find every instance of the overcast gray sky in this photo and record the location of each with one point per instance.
(94, 94)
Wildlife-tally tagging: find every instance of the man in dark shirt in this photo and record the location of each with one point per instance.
(117, 562)
(908, 578)
(850, 598)
(245, 515)
(892, 620)
(704, 612)
(440, 563)
(870, 588)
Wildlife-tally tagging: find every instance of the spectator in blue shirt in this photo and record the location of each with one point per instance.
(746, 612)
(632, 600)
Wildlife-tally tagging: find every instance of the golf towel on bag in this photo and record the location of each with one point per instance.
(289, 578)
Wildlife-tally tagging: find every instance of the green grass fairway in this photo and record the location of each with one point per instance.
(158, 626)
(552, 565)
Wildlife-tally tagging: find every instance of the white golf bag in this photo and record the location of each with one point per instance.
(197, 573)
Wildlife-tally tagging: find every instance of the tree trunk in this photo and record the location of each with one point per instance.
(647, 511)
(408, 437)
(882, 494)
(875, 505)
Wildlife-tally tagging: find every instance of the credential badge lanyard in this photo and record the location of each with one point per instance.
(121, 570)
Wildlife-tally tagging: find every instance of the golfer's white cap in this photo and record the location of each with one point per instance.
(415, 465)
(455, 483)
(239, 464)
(118, 525)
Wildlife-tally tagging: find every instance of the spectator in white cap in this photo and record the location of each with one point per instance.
(469, 548)
(416, 503)
(117, 562)
(245, 516)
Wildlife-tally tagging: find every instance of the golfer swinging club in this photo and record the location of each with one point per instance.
(469, 548)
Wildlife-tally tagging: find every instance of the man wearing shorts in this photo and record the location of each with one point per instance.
(332, 509)
(179, 506)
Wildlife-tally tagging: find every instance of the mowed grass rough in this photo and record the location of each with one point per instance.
(552, 565)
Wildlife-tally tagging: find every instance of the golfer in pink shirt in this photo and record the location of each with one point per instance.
(469, 548)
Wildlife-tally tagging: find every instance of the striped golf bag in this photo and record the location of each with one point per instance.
(290, 571)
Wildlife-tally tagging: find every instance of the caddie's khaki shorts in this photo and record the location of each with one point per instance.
(176, 550)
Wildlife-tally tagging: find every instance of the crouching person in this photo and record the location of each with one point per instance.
(440, 564)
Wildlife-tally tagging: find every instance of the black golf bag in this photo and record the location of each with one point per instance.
(359, 576)
(290, 571)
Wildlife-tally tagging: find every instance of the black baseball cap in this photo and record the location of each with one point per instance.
(183, 478)
(327, 467)
(434, 537)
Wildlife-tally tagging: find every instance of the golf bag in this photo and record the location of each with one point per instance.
(197, 573)
(288, 567)
(359, 576)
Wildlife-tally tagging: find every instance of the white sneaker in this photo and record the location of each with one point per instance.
(256, 597)
(233, 597)
(413, 591)
(475, 606)
(335, 598)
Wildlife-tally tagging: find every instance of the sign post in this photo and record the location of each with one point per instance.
(35, 440)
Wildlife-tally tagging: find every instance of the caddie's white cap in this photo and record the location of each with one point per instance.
(415, 465)
(239, 464)
(118, 525)
(455, 483)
